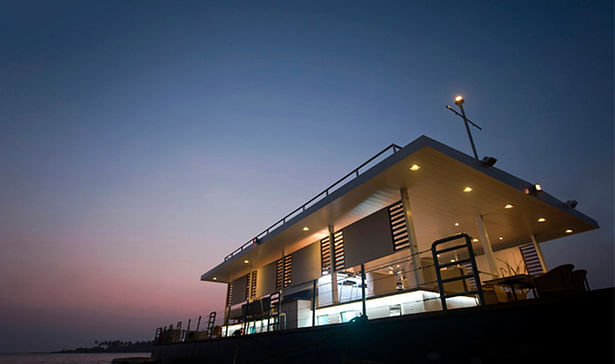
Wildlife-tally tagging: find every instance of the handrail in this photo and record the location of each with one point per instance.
(355, 172)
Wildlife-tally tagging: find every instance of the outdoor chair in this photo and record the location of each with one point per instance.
(579, 279)
(557, 281)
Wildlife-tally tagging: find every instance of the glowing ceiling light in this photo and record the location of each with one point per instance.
(456, 224)
(541, 219)
(305, 228)
(509, 206)
(501, 238)
(467, 189)
(475, 240)
(246, 261)
(415, 167)
(215, 278)
(568, 231)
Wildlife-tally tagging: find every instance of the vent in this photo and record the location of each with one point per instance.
(531, 259)
(253, 285)
(399, 230)
(283, 272)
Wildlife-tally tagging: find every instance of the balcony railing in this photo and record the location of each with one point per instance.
(278, 224)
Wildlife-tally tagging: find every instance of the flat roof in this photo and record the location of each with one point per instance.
(439, 206)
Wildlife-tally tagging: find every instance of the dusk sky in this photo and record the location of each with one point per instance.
(142, 141)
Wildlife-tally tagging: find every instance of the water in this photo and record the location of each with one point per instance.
(92, 358)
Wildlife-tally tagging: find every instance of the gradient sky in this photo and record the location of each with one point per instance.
(141, 142)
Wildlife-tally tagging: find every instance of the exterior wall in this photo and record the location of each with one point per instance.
(239, 290)
(368, 239)
(265, 280)
(306, 264)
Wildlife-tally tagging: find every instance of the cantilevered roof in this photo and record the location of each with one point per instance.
(440, 207)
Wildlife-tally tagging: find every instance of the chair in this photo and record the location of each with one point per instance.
(556, 281)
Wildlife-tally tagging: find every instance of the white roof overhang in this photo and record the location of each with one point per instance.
(437, 201)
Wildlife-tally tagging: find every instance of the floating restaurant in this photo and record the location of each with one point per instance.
(415, 231)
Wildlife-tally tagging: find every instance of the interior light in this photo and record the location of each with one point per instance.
(509, 206)
(452, 260)
(215, 278)
(467, 189)
(475, 240)
(246, 261)
(456, 224)
(305, 228)
(541, 219)
(568, 231)
(325, 272)
(415, 167)
(501, 238)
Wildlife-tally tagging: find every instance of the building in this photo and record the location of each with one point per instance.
(364, 246)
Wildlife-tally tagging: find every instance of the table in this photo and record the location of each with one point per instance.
(519, 280)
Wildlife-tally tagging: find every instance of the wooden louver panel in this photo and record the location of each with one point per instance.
(531, 259)
(253, 285)
(283, 272)
(229, 294)
(325, 256)
(247, 286)
(338, 250)
(399, 229)
(338, 253)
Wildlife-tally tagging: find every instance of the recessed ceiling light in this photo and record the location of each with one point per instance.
(568, 231)
(541, 219)
(467, 189)
(501, 238)
(509, 206)
(415, 167)
(452, 260)
(246, 261)
(475, 240)
(456, 224)
(305, 228)
(215, 278)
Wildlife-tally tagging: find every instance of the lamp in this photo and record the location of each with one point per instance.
(488, 161)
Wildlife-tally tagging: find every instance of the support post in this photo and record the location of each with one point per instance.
(541, 258)
(334, 297)
(414, 249)
(314, 288)
(486, 244)
(363, 290)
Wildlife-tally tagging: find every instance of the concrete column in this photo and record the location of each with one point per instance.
(334, 297)
(414, 248)
(543, 263)
(486, 243)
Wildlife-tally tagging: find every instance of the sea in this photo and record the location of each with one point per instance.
(93, 358)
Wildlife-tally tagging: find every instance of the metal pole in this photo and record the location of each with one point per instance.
(363, 290)
(314, 302)
(465, 120)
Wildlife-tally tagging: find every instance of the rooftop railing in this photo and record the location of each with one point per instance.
(349, 177)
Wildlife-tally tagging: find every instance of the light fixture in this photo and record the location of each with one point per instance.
(571, 203)
(305, 228)
(452, 260)
(456, 224)
(459, 100)
(475, 240)
(509, 206)
(215, 278)
(488, 161)
(467, 189)
(541, 219)
(415, 167)
(568, 231)
(246, 261)
(501, 238)
(325, 272)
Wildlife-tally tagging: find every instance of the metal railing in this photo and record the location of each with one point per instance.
(354, 173)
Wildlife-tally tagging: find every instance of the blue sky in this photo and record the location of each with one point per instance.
(146, 137)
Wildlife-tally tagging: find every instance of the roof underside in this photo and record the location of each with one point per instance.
(437, 202)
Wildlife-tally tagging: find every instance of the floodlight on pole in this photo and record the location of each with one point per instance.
(459, 100)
